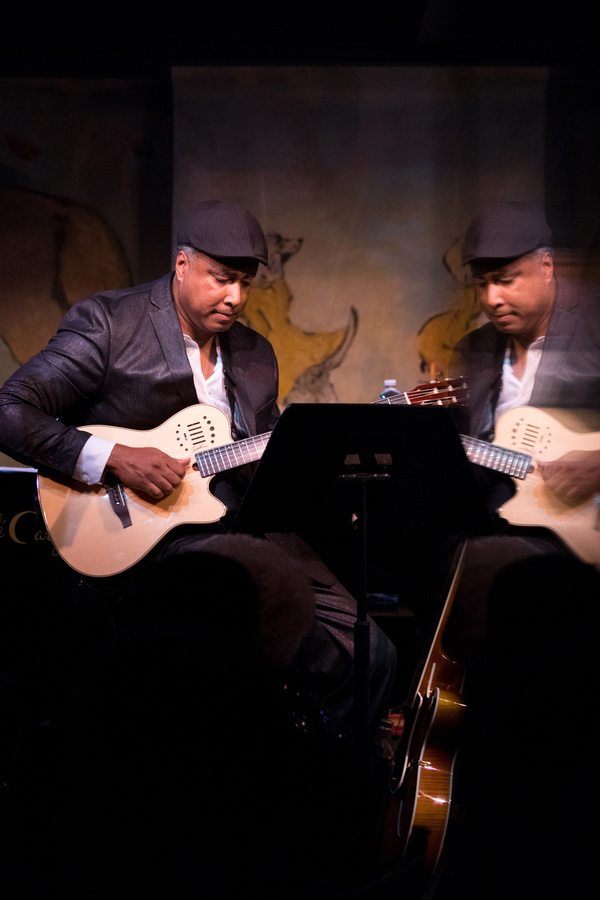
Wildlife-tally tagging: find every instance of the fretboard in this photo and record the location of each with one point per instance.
(220, 459)
(500, 459)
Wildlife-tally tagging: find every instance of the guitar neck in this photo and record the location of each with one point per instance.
(499, 459)
(229, 456)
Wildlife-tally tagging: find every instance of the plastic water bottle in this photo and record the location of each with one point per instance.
(389, 388)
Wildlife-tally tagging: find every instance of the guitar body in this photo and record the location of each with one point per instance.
(86, 531)
(420, 798)
(419, 806)
(547, 435)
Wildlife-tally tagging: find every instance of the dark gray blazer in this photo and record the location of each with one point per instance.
(119, 358)
(569, 372)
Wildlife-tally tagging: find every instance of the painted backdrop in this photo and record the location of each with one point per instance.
(365, 179)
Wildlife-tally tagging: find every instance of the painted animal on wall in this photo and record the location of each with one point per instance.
(306, 359)
(440, 333)
(53, 252)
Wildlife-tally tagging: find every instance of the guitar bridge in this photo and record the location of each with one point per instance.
(118, 502)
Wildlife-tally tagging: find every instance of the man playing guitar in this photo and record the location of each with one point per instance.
(541, 348)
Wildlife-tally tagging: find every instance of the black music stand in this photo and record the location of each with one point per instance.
(328, 468)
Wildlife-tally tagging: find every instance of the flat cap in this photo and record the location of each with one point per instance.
(225, 230)
(506, 231)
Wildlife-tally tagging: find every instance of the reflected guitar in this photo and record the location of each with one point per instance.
(106, 529)
(525, 436)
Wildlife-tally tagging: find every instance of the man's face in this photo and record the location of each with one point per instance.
(210, 295)
(517, 297)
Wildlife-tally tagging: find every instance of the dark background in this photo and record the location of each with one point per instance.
(105, 39)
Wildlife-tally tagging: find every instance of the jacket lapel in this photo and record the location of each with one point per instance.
(243, 416)
(168, 332)
(556, 344)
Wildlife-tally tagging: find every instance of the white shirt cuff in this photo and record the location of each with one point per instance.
(92, 460)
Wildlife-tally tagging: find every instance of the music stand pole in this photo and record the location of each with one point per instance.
(362, 632)
(362, 635)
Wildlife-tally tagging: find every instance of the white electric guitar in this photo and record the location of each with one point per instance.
(105, 529)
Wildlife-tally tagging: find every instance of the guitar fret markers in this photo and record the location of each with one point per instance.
(220, 459)
(500, 459)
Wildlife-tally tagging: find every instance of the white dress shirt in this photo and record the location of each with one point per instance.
(515, 391)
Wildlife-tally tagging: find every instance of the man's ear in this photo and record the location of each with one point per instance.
(547, 265)
(181, 263)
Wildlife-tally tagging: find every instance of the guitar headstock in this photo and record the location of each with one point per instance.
(447, 392)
